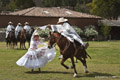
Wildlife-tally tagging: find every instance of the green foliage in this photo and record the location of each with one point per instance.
(78, 30)
(5, 2)
(105, 8)
(11, 6)
(105, 56)
(22, 4)
(0, 5)
(105, 29)
(44, 33)
(81, 8)
(90, 31)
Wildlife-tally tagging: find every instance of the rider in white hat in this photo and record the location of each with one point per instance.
(27, 27)
(69, 32)
(18, 29)
(9, 28)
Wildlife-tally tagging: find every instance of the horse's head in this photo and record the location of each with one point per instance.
(52, 40)
(31, 30)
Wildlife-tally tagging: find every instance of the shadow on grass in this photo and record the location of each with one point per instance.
(21, 49)
(98, 47)
(97, 75)
(47, 72)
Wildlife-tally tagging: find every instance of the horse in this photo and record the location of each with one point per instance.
(28, 35)
(22, 38)
(68, 50)
(11, 40)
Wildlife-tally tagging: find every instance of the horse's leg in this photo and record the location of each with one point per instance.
(73, 63)
(84, 64)
(10, 45)
(6, 44)
(62, 62)
(28, 44)
(16, 45)
(76, 60)
(20, 45)
(24, 45)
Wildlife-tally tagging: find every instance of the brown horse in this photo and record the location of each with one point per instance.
(68, 50)
(22, 38)
(28, 35)
(11, 40)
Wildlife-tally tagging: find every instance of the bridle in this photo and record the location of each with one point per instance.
(54, 40)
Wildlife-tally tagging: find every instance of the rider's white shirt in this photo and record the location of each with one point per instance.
(18, 28)
(9, 27)
(27, 28)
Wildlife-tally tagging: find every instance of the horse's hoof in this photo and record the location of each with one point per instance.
(86, 71)
(70, 67)
(75, 75)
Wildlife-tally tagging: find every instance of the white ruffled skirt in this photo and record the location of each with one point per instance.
(37, 58)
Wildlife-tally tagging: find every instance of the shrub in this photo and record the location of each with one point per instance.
(44, 33)
(78, 30)
(105, 30)
(90, 32)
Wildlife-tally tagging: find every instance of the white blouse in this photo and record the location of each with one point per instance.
(35, 43)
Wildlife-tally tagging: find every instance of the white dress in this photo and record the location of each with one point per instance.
(36, 57)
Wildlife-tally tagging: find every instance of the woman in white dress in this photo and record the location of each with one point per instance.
(36, 57)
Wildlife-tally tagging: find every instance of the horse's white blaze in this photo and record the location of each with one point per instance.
(74, 75)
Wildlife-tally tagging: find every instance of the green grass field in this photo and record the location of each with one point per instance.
(104, 65)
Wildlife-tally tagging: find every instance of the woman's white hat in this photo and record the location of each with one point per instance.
(62, 19)
(26, 23)
(36, 34)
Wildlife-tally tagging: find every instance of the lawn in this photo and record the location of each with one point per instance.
(104, 65)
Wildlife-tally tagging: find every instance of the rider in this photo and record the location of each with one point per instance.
(9, 28)
(70, 33)
(27, 27)
(18, 29)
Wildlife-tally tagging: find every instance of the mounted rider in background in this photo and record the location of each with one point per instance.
(18, 29)
(10, 27)
(27, 27)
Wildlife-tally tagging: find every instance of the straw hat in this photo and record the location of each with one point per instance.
(10, 22)
(26, 23)
(36, 34)
(62, 19)
(19, 24)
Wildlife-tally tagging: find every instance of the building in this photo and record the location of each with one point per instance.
(115, 28)
(38, 16)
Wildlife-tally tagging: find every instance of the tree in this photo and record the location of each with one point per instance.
(105, 8)
(105, 30)
(0, 5)
(22, 4)
(81, 8)
(11, 6)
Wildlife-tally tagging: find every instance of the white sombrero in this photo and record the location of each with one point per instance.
(19, 24)
(26, 23)
(10, 22)
(36, 34)
(62, 19)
